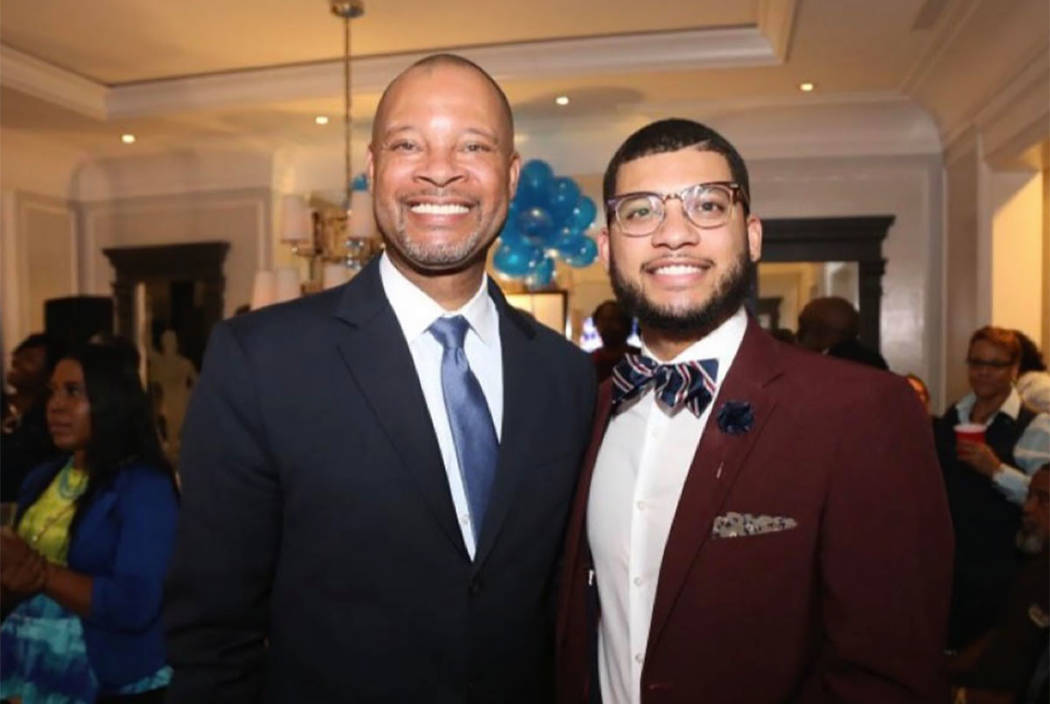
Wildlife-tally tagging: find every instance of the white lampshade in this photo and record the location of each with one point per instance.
(334, 275)
(362, 219)
(288, 287)
(263, 289)
(296, 222)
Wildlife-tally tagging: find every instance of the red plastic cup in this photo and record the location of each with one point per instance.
(969, 432)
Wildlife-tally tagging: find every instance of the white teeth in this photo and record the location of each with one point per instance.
(439, 209)
(678, 269)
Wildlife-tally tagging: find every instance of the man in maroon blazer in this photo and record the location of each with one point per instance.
(754, 522)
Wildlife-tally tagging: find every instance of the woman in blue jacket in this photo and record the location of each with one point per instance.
(87, 558)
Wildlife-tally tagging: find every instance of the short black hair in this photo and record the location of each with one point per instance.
(669, 136)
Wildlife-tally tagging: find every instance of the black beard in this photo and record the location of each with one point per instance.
(695, 324)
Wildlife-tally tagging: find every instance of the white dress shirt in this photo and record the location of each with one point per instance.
(638, 477)
(1031, 452)
(415, 311)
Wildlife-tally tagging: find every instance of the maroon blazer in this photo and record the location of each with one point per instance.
(850, 605)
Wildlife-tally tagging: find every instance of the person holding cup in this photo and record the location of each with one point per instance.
(989, 443)
(82, 569)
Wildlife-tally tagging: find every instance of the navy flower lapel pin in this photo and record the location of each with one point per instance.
(735, 417)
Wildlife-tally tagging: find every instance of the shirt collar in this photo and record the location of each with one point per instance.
(721, 343)
(415, 310)
(1011, 406)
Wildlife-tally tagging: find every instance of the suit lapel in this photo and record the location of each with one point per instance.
(716, 465)
(377, 357)
(521, 401)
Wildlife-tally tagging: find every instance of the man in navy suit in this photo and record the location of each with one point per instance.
(376, 479)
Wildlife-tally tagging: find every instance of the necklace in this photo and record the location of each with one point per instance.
(66, 489)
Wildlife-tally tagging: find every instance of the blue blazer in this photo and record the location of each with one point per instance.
(123, 540)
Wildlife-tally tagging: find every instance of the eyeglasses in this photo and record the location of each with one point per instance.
(987, 363)
(706, 205)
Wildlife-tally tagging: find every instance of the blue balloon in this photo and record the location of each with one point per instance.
(583, 214)
(516, 260)
(566, 241)
(541, 275)
(510, 234)
(534, 183)
(536, 224)
(563, 196)
(584, 255)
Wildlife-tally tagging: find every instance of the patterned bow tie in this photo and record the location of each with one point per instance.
(690, 384)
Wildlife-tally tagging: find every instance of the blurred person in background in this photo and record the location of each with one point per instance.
(987, 482)
(831, 325)
(83, 567)
(1033, 381)
(614, 327)
(1008, 664)
(26, 442)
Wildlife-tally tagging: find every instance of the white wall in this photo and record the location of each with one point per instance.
(1017, 252)
(240, 217)
(907, 187)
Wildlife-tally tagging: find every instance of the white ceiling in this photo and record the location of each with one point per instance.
(255, 73)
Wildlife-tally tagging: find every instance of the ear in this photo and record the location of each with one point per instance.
(603, 247)
(370, 167)
(754, 237)
(514, 170)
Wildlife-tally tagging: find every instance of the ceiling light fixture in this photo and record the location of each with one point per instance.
(127, 138)
(321, 120)
(562, 100)
(806, 87)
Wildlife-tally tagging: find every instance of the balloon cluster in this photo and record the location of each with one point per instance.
(546, 220)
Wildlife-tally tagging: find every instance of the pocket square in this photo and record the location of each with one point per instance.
(739, 525)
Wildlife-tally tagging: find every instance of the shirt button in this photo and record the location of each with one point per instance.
(465, 519)
(637, 581)
(638, 657)
(640, 505)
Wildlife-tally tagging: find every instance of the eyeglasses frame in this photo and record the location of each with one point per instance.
(736, 191)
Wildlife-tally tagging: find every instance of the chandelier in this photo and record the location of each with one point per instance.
(336, 240)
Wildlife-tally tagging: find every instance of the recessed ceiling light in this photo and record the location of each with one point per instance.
(321, 119)
(806, 87)
(562, 100)
(127, 138)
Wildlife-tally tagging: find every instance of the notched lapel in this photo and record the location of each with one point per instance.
(522, 397)
(377, 358)
(716, 466)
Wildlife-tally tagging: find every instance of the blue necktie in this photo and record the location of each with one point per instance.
(689, 384)
(477, 447)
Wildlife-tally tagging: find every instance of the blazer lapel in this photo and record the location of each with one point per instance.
(377, 357)
(716, 465)
(518, 435)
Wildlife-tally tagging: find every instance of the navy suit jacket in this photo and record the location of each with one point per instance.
(318, 556)
(122, 539)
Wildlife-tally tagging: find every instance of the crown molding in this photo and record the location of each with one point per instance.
(951, 23)
(51, 83)
(776, 20)
(631, 53)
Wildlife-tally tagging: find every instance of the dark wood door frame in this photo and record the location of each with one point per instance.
(199, 261)
(839, 239)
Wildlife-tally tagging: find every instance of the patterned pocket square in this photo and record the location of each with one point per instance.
(739, 525)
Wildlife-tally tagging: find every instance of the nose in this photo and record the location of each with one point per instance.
(440, 169)
(675, 230)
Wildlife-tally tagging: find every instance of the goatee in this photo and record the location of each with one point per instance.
(730, 293)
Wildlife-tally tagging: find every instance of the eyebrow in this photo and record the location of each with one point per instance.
(494, 136)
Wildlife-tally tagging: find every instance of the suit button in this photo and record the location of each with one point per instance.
(658, 686)
(475, 585)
